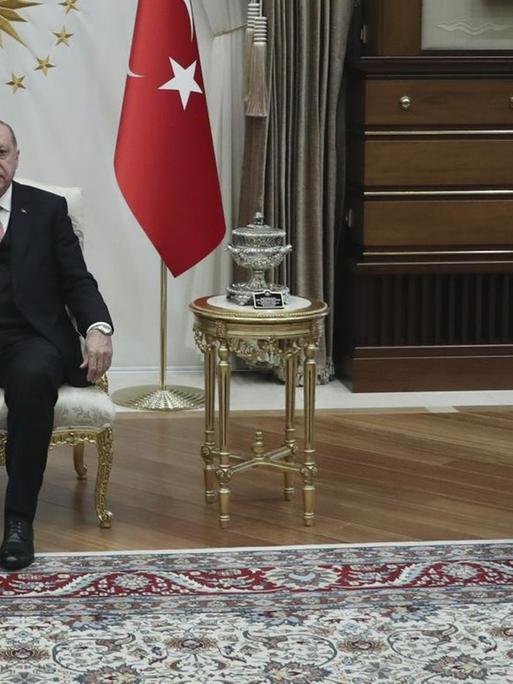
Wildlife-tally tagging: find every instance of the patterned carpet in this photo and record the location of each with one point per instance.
(396, 614)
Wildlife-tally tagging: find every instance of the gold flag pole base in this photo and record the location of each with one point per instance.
(156, 398)
(161, 397)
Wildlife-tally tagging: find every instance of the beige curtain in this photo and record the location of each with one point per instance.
(291, 166)
(220, 28)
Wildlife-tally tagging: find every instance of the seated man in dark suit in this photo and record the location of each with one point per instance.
(42, 271)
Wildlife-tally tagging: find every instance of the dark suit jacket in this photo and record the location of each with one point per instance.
(49, 273)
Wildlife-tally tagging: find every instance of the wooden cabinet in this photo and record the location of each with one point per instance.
(425, 270)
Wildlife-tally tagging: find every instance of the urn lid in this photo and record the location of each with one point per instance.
(258, 229)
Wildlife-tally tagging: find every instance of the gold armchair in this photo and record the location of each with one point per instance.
(82, 414)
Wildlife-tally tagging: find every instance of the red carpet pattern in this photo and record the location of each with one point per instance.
(438, 614)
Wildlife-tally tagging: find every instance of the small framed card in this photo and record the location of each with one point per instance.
(268, 300)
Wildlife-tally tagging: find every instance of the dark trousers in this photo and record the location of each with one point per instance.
(31, 372)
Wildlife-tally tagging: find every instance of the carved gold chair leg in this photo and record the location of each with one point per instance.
(105, 454)
(78, 461)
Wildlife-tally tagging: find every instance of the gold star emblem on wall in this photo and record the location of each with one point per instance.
(8, 15)
(43, 65)
(16, 82)
(62, 36)
(15, 11)
(70, 5)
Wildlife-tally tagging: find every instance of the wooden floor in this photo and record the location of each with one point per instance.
(383, 476)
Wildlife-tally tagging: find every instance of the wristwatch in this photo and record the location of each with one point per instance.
(102, 327)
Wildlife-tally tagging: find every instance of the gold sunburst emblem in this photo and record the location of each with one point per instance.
(31, 60)
(9, 14)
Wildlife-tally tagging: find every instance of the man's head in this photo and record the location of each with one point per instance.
(8, 156)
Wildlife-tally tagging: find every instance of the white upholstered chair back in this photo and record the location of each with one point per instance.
(73, 197)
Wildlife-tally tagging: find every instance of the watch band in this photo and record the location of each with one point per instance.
(102, 327)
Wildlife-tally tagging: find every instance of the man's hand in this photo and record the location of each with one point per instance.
(97, 354)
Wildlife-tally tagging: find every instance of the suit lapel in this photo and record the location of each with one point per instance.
(19, 226)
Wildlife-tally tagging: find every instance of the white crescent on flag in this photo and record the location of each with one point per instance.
(133, 74)
(188, 5)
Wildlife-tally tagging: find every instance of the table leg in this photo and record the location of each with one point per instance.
(223, 472)
(290, 432)
(209, 444)
(309, 469)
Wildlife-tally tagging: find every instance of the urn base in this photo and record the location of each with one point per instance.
(242, 293)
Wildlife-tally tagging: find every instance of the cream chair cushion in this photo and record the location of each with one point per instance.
(77, 408)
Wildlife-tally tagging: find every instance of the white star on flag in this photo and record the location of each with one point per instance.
(183, 81)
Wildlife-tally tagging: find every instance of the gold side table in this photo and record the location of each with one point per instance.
(287, 336)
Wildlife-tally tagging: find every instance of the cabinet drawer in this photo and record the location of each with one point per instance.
(437, 223)
(438, 162)
(458, 102)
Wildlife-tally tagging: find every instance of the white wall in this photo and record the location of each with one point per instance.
(66, 125)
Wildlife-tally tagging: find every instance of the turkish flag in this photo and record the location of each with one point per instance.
(164, 160)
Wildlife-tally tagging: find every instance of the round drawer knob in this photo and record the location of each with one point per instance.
(405, 102)
(511, 102)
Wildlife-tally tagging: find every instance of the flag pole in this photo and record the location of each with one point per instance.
(162, 397)
(163, 324)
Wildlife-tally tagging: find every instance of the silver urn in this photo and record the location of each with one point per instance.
(258, 248)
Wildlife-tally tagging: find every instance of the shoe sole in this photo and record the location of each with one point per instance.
(17, 565)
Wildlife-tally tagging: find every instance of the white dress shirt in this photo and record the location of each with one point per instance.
(5, 207)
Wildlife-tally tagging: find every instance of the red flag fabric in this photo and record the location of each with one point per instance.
(164, 159)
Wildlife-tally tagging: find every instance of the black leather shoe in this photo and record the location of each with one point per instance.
(17, 550)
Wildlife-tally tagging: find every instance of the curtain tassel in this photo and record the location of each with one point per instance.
(257, 103)
(254, 9)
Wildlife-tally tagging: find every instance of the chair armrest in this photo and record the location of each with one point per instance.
(103, 383)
